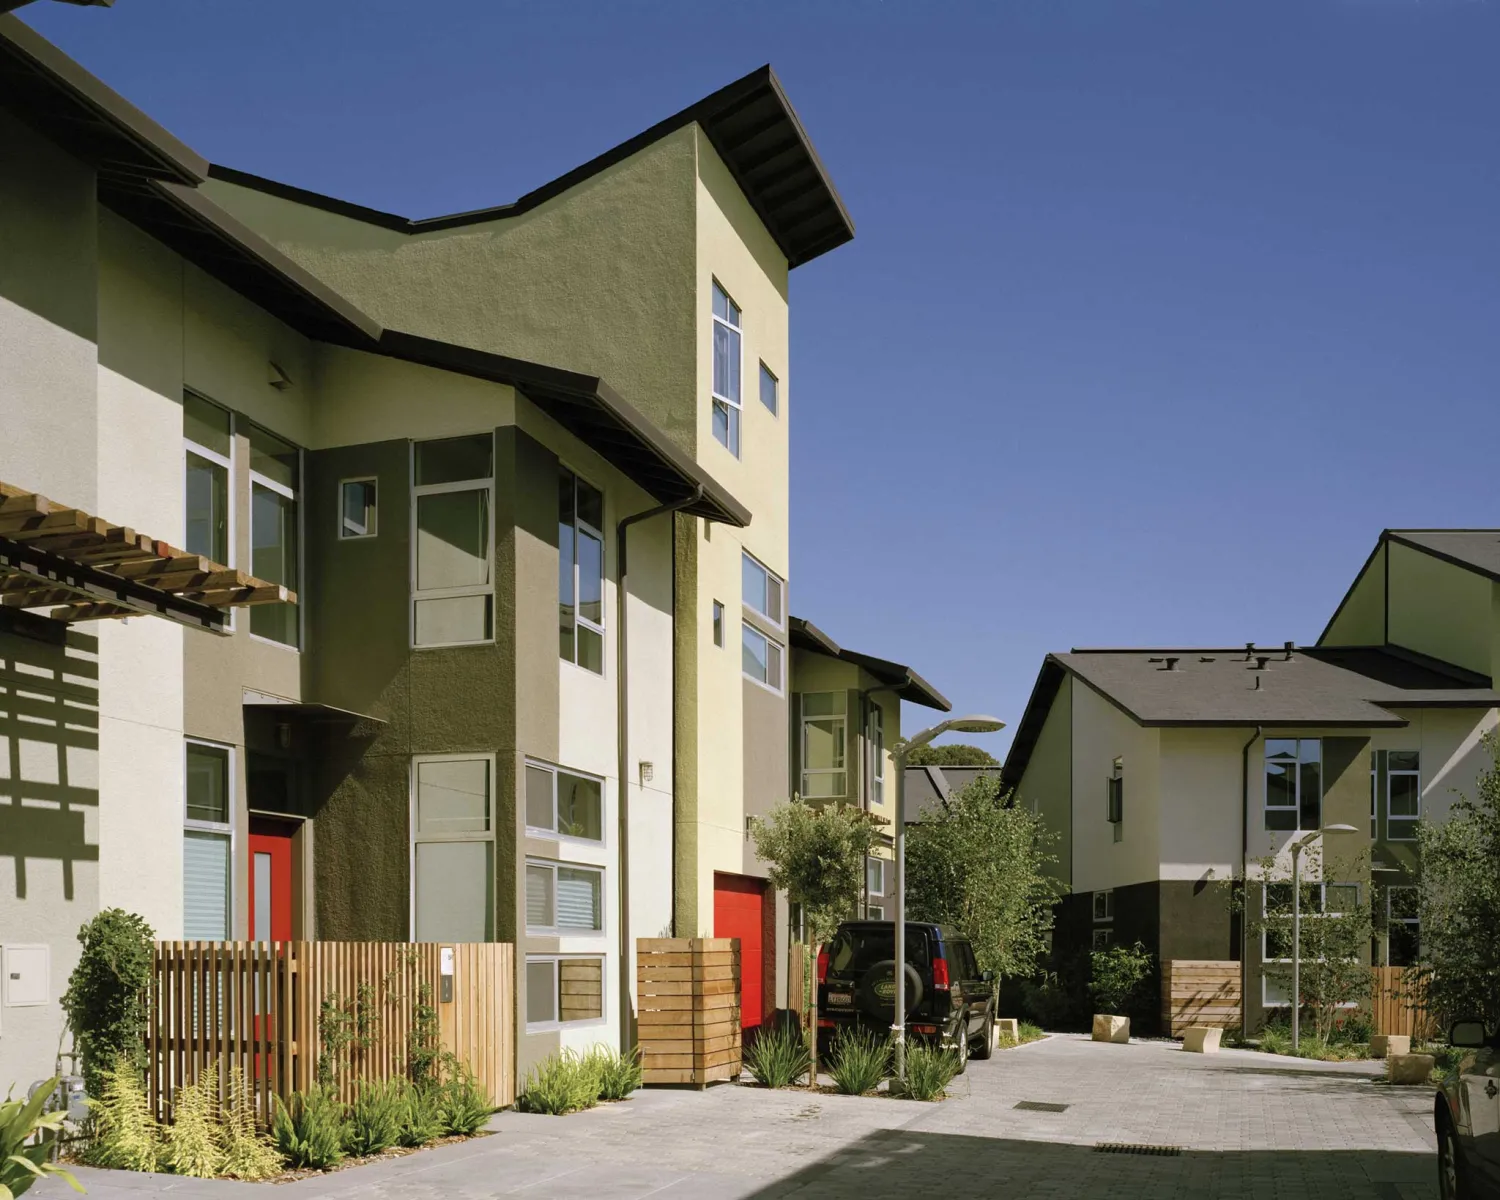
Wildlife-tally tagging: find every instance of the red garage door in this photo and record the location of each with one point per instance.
(739, 912)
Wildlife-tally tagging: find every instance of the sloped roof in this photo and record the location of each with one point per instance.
(902, 679)
(1476, 549)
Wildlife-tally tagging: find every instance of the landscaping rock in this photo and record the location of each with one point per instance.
(1111, 1029)
(1409, 1069)
(1201, 1039)
(1388, 1045)
(1008, 1027)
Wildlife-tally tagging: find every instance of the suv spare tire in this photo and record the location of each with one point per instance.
(875, 994)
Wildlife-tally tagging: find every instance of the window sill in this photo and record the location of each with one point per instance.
(265, 641)
(775, 691)
(564, 1026)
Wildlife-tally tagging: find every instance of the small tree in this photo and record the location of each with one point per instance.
(1117, 977)
(106, 998)
(817, 856)
(953, 754)
(1459, 906)
(980, 862)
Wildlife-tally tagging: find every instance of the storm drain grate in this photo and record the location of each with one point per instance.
(1136, 1148)
(1041, 1106)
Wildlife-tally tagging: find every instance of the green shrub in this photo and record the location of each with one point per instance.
(618, 1074)
(1117, 978)
(105, 1000)
(22, 1160)
(124, 1132)
(777, 1058)
(190, 1145)
(860, 1062)
(561, 1083)
(1030, 1032)
(1352, 1030)
(375, 1117)
(463, 1106)
(929, 1071)
(419, 1121)
(309, 1129)
(245, 1152)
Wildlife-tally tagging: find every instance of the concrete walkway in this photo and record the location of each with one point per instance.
(1246, 1125)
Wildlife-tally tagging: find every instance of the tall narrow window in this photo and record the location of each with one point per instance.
(1115, 797)
(875, 889)
(760, 657)
(274, 481)
(718, 624)
(761, 590)
(453, 867)
(824, 753)
(875, 740)
(357, 508)
(453, 541)
(726, 387)
(1403, 926)
(209, 445)
(580, 566)
(1294, 784)
(1403, 792)
(767, 388)
(208, 841)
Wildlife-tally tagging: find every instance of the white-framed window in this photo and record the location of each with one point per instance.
(580, 566)
(1403, 794)
(208, 447)
(208, 842)
(1114, 797)
(1294, 784)
(563, 899)
(875, 740)
(1403, 927)
(1104, 905)
(825, 770)
(357, 508)
(452, 540)
(874, 912)
(275, 556)
(761, 658)
(1103, 939)
(453, 848)
(1321, 899)
(728, 353)
(563, 989)
(718, 625)
(762, 590)
(564, 803)
(768, 389)
(875, 870)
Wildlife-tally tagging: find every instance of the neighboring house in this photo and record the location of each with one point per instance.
(662, 265)
(425, 744)
(847, 715)
(930, 786)
(1166, 771)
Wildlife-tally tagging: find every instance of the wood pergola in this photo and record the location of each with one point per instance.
(80, 567)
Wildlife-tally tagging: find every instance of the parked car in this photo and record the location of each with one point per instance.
(1467, 1117)
(949, 1001)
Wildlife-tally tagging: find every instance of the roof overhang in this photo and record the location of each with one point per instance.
(306, 711)
(79, 567)
(900, 678)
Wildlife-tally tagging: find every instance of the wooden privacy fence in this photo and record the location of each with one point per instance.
(688, 1009)
(1199, 992)
(282, 1015)
(1394, 1008)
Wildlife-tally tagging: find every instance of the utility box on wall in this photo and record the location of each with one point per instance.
(26, 975)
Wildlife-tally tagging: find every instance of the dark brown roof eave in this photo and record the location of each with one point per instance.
(906, 682)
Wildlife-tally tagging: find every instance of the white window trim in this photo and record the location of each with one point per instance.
(414, 837)
(779, 625)
(876, 724)
(227, 462)
(215, 827)
(803, 720)
(1322, 910)
(291, 494)
(486, 589)
(1266, 981)
(1404, 818)
(554, 834)
(578, 617)
(557, 931)
(779, 687)
(874, 912)
(737, 405)
(1295, 807)
(554, 959)
(871, 859)
(373, 532)
(1109, 904)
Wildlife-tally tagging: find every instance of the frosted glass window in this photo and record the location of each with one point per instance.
(454, 891)
(205, 886)
(453, 796)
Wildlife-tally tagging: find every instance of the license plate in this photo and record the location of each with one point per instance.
(840, 998)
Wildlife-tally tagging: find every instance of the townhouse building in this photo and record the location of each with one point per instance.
(1167, 773)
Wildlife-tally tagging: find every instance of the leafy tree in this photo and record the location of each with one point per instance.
(980, 863)
(1117, 977)
(817, 856)
(1459, 906)
(953, 754)
(106, 998)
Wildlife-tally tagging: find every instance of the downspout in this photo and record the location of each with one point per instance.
(1245, 881)
(622, 740)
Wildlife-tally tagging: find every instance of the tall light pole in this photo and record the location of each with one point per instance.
(1298, 846)
(898, 755)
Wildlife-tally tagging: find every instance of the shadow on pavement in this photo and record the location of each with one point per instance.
(907, 1163)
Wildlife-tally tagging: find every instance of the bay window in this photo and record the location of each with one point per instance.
(453, 541)
(824, 745)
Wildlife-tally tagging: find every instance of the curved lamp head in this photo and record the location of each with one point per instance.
(972, 724)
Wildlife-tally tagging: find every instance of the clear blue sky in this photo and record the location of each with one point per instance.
(1157, 314)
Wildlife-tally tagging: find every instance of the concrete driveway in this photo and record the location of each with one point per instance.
(1241, 1125)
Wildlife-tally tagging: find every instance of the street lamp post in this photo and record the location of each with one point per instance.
(898, 755)
(1297, 847)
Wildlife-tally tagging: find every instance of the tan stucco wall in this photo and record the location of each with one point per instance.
(1047, 785)
(1100, 733)
(1361, 620)
(1201, 796)
(1440, 609)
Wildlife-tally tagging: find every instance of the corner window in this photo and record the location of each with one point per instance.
(357, 508)
(1294, 784)
(208, 442)
(1114, 793)
(563, 990)
(761, 590)
(453, 541)
(564, 803)
(563, 899)
(718, 625)
(875, 740)
(275, 471)
(580, 567)
(1403, 926)
(760, 657)
(1403, 794)
(453, 844)
(726, 382)
(768, 389)
(208, 841)
(824, 752)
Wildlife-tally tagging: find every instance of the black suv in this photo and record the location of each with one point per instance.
(949, 1001)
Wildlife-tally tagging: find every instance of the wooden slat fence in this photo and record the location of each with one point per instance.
(282, 1015)
(1394, 1008)
(1199, 992)
(688, 1006)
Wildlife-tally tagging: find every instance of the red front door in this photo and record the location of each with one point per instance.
(270, 880)
(739, 912)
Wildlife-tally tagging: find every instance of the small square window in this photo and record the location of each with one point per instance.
(1103, 939)
(767, 388)
(1104, 906)
(357, 508)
